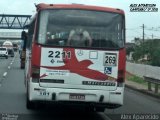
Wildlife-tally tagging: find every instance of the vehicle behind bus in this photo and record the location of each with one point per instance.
(80, 74)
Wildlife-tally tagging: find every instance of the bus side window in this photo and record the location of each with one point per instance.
(30, 35)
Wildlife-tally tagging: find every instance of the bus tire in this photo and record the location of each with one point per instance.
(22, 66)
(100, 109)
(29, 104)
(89, 109)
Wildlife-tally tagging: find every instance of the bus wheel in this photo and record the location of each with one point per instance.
(29, 104)
(89, 109)
(100, 109)
(22, 66)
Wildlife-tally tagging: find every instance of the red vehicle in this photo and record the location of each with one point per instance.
(64, 65)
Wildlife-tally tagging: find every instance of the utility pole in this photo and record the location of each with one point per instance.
(143, 40)
(143, 32)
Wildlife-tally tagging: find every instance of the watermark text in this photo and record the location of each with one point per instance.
(143, 8)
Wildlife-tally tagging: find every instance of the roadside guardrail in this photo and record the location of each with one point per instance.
(151, 81)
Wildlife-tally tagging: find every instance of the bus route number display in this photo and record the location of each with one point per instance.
(110, 59)
(58, 54)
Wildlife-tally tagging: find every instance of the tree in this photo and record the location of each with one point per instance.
(137, 53)
(128, 50)
(155, 52)
(156, 58)
(151, 49)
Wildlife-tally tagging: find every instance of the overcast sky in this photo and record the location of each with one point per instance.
(134, 20)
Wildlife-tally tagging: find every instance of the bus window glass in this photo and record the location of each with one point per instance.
(43, 27)
(105, 29)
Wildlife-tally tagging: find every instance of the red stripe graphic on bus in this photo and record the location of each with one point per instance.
(79, 67)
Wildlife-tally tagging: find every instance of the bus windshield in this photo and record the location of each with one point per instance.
(103, 29)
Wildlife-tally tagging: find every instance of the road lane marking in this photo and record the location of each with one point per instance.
(4, 75)
(9, 67)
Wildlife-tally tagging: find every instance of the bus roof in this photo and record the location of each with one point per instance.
(77, 6)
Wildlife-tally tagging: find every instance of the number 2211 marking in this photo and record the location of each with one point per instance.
(57, 54)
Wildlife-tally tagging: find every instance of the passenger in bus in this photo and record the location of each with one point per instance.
(79, 37)
(50, 39)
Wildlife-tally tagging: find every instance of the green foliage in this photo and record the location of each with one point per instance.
(150, 48)
(128, 50)
(136, 79)
(156, 57)
(137, 53)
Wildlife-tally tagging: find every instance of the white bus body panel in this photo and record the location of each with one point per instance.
(83, 66)
(56, 77)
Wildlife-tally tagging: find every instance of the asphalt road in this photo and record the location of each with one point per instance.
(12, 101)
(4, 64)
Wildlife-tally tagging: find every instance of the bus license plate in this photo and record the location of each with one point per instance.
(76, 96)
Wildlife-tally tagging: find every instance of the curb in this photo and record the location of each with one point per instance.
(142, 91)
